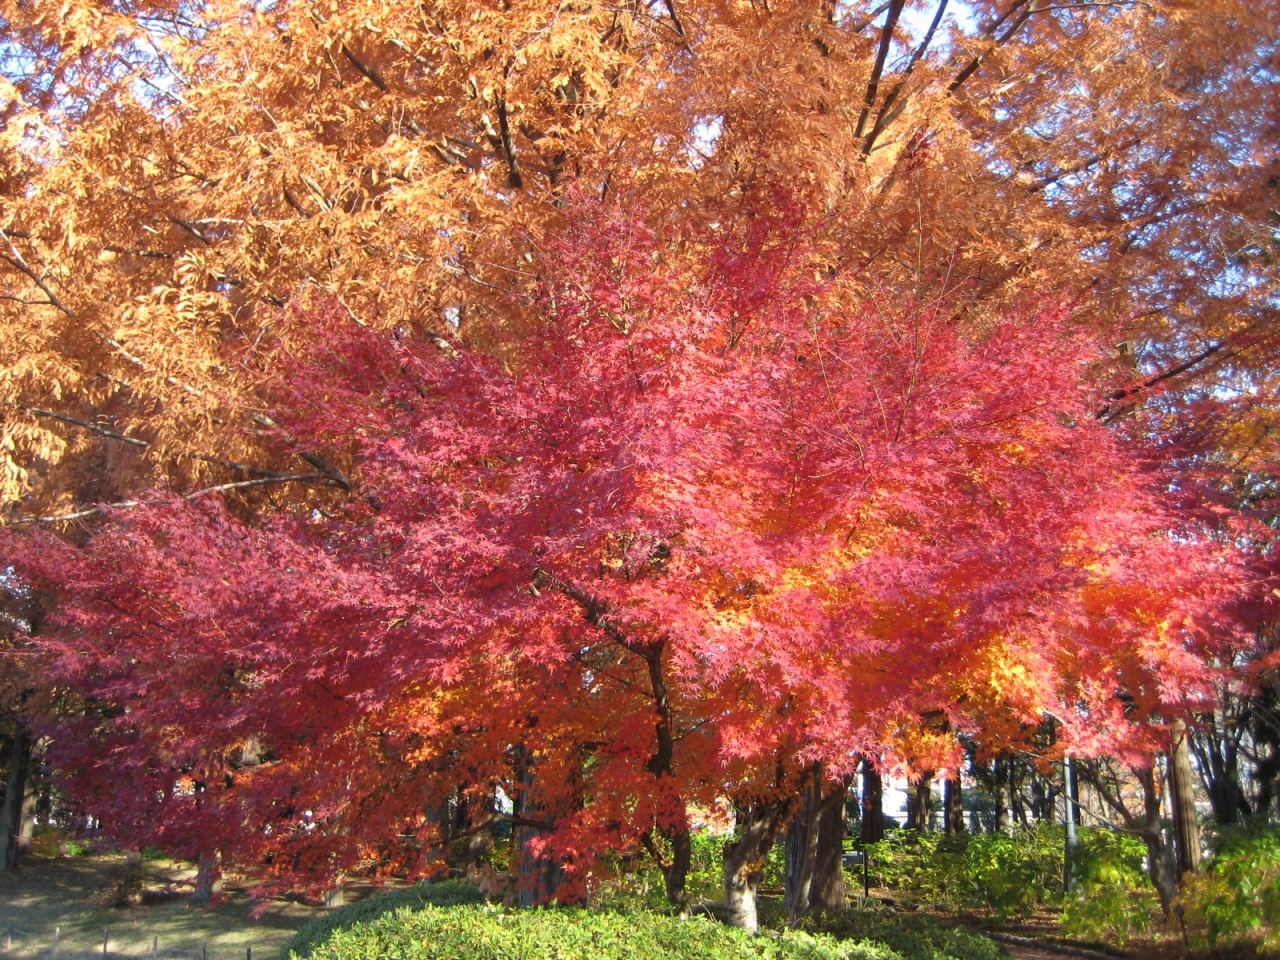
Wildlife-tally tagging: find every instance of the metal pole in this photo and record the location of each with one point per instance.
(204, 950)
(155, 947)
(104, 943)
(1068, 783)
(57, 935)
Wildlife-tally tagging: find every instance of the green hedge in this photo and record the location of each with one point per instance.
(447, 920)
(316, 931)
(910, 936)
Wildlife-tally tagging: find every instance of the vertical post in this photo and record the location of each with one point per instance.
(1069, 794)
(248, 953)
(104, 943)
(57, 935)
(866, 873)
(8, 940)
(204, 950)
(155, 947)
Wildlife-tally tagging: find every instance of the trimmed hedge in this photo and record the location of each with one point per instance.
(447, 921)
(313, 933)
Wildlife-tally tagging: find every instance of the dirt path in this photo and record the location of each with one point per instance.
(56, 897)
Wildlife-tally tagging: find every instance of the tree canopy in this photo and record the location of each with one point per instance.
(618, 406)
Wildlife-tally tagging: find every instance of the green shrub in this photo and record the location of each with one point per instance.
(446, 920)
(1112, 898)
(315, 931)
(910, 936)
(1012, 875)
(1237, 897)
(483, 932)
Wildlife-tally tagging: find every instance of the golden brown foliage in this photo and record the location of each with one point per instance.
(171, 173)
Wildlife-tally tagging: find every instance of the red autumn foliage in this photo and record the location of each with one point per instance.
(707, 521)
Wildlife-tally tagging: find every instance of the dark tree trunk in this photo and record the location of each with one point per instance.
(814, 852)
(872, 804)
(539, 877)
(1160, 861)
(953, 805)
(1003, 794)
(675, 868)
(11, 817)
(1186, 825)
(920, 803)
(1216, 744)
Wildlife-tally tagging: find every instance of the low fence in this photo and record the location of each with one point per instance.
(67, 951)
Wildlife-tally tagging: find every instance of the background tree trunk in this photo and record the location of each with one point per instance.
(208, 878)
(920, 803)
(11, 819)
(872, 804)
(953, 805)
(1186, 825)
(1003, 794)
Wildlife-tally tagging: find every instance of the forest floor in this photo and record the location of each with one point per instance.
(69, 898)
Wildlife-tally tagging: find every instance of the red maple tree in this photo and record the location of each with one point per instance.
(706, 524)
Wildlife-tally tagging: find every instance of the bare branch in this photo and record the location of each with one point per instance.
(873, 84)
(133, 504)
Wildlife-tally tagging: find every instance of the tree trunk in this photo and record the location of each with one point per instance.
(953, 805)
(1160, 865)
(538, 877)
(827, 891)
(1186, 825)
(744, 865)
(11, 819)
(675, 868)
(676, 873)
(872, 804)
(815, 852)
(1000, 774)
(920, 803)
(208, 879)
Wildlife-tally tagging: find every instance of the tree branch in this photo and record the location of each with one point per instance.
(133, 504)
(17, 260)
(884, 117)
(873, 84)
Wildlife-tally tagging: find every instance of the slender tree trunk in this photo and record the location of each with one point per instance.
(1000, 774)
(953, 805)
(802, 850)
(11, 819)
(1186, 825)
(872, 804)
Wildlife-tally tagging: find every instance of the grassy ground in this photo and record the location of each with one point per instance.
(62, 894)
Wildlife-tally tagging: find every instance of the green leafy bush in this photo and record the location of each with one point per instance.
(483, 932)
(447, 920)
(910, 936)
(1237, 897)
(1012, 875)
(317, 930)
(1112, 898)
